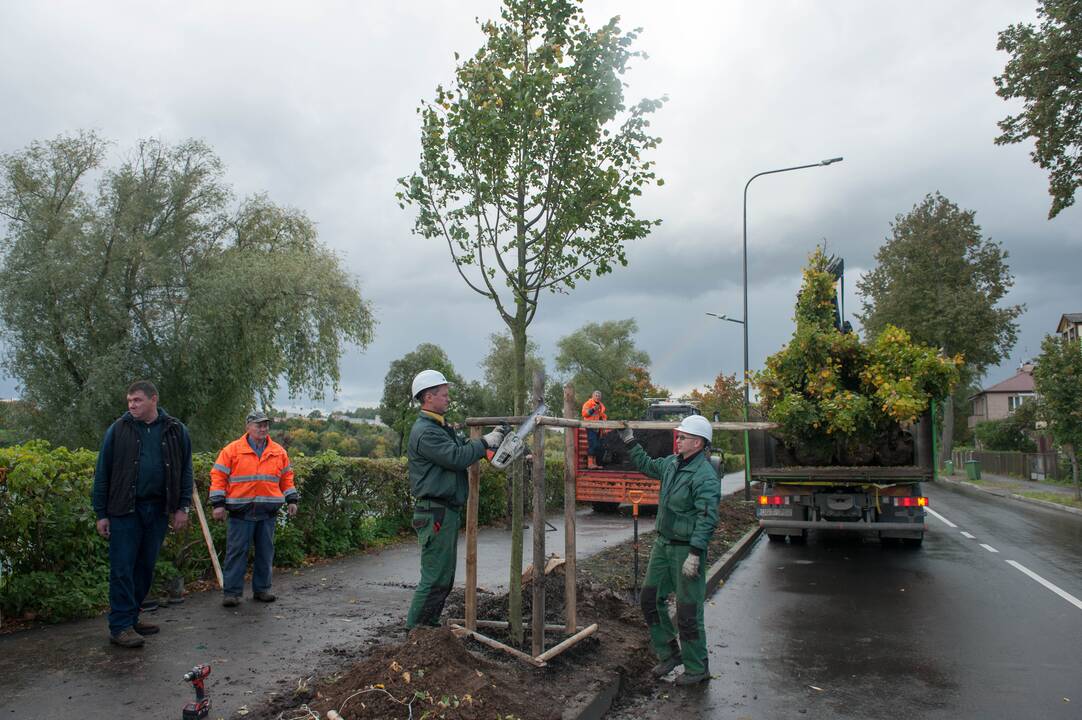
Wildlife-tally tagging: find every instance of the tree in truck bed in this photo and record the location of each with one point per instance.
(838, 401)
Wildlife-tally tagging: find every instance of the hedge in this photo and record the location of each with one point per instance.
(54, 566)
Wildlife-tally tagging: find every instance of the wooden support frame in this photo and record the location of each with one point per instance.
(467, 627)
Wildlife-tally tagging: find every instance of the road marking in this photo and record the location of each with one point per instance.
(943, 519)
(1062, 593)
(989, 548)
(971, 537)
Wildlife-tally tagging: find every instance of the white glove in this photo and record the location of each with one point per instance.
(493, 439)
(691, 565)
(627, 435)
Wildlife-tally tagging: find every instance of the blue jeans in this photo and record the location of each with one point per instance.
(240, 534)
(593, 443)
(134, 542)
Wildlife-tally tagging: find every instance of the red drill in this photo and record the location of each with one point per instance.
(201, 707)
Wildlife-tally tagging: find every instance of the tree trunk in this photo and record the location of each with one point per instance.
(514, 595)
(946, 438)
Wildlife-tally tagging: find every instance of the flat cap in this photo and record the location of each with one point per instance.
(256, 417)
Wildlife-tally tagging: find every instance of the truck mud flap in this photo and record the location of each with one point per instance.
(827, 525)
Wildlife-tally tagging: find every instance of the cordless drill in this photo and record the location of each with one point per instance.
(201, 707)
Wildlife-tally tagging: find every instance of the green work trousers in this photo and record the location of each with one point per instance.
(437, 532)
(664, 575)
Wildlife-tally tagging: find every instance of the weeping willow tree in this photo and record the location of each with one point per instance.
(150, 270)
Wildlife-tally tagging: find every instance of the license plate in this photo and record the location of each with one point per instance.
(775, 512)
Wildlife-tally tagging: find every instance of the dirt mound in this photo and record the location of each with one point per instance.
(431, 671)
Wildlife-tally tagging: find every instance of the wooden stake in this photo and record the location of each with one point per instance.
(461, 632)
(570, 461)
(573, 640)
(474, 475)
(206, 536)
(538, 628)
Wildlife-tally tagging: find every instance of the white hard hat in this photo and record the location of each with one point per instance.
(428, 379)
(697, 425)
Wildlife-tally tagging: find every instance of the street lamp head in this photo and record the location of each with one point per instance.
(830, 161)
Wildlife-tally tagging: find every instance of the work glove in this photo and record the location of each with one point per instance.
(592, 410)
(493, 439)
(627, 435)
(691, 565)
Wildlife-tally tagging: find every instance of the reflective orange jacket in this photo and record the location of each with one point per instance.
(597, 414)
(241, 480)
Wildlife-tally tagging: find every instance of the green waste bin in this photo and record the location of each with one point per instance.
(948, 467)
(973, 469)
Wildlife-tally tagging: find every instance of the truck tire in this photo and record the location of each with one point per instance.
(913, 542)
(607, 508)
(801, 539)
(775, 537)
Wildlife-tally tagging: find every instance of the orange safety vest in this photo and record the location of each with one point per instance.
(599, 414)
(240, 479)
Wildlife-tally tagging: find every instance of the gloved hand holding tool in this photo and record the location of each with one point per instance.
(627, 435)
(691, 565)
(493, 439)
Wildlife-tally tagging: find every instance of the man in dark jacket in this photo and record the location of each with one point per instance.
(142, 481)
(438, 459)
(687, 514)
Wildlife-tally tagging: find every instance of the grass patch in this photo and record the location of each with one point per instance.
(1052, 497)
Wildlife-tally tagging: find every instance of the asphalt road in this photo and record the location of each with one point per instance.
(325, 615)
(985, 621)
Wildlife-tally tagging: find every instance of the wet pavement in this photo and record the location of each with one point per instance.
(324, 614)
(844, 628)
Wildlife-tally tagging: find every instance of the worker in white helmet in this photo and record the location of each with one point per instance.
(687, 514)
(438, 459)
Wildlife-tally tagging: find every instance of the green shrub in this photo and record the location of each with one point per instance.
(55, 566)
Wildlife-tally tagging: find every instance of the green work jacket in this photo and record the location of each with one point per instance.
(438, 458)
(687, 509)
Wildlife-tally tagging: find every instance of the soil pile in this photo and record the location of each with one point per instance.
(433, 672)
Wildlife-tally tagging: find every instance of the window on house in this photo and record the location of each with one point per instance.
(1015, 401)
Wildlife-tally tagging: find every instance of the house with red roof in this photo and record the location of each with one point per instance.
(1002, 399)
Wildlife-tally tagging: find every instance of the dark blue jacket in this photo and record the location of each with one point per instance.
(130, 469)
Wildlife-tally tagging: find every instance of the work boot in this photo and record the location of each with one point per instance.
(665, 667)
(144, 628)
(230, 601)
(127, 638)
(265, 596)
(693, 679)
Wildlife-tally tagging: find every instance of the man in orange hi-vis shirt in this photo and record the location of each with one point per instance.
(593, 409)
(251, 479)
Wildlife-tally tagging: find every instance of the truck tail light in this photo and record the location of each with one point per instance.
(772, 500)
(911, 501)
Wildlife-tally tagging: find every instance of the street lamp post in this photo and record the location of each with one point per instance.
(747, 383)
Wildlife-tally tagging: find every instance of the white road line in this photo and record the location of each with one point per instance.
(942, 519)
(1062, 593)
(989, 548)
(971, 537)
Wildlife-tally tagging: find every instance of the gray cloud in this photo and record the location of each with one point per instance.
(315, 104)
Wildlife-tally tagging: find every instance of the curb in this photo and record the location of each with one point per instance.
(593, 706)
(724, 567)
(968, 486)
(587, 707)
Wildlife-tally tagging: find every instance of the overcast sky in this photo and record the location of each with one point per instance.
(314, 103)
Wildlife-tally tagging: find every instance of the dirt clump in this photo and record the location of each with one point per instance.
(431, 673)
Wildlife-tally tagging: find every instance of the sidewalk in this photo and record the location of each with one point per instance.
(326, 614)
(1045, 494)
